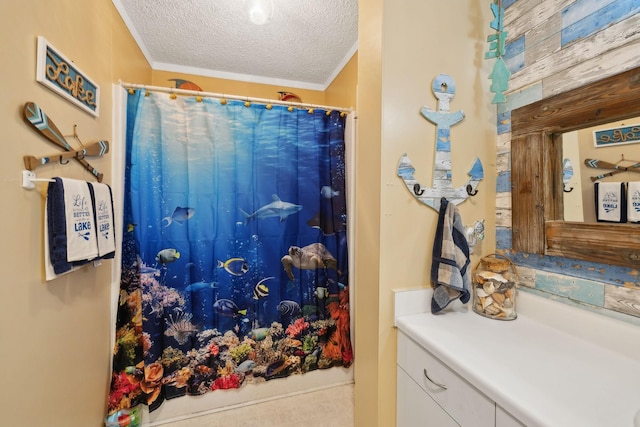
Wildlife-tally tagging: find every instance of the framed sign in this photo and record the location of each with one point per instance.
(58, 73)
(616, 136)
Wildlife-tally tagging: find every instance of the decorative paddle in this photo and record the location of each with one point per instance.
(599, 164)
(95, 149)
(43, 124)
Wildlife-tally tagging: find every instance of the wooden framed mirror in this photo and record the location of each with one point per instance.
(536, 173)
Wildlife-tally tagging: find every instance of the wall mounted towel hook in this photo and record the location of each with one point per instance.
(471, 191)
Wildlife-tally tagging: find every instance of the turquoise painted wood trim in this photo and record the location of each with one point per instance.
(525, 96)
(574, 288)
(614, 12)
(598, 310)
(613, 275)
(503, 182)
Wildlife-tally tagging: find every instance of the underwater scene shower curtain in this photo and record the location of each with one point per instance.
(234, 260)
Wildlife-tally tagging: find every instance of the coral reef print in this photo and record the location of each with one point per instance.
(241, 281)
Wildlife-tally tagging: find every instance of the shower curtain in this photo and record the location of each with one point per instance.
(234, 249)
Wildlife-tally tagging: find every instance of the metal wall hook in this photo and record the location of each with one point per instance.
(417, 190)
(569, 190)
(62, 161)
(471, 191)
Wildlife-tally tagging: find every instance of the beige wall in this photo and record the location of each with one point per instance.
(234, 87)
(367, 218)
(55, 336)
(403, 45)
(340, 93)
(58, 333)
(342, 90)
(56, 358)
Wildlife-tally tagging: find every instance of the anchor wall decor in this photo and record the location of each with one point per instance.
(443, 88)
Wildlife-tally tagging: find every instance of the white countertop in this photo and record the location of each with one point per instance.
(555, 365)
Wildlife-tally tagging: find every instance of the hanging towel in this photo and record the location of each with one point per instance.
(450, 263)
(633, 201)
(71, 227)
(49, 271)
(102, 199)
(610, 198)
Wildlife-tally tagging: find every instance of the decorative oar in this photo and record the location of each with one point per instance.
(43, 124)
(599, 164)
(95, 149)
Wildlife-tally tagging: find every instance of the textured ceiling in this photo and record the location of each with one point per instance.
(306, 43)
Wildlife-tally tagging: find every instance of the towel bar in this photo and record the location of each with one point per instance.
(29, 180)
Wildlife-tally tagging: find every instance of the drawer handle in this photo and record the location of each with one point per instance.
(442, 386)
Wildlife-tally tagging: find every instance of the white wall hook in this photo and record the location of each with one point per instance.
(29, 180)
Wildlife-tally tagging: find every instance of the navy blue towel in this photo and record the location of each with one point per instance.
(111, 254)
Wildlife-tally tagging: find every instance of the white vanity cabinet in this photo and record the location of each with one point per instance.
(429, 393)
(505, 419)
(555, 365)
(416, 408)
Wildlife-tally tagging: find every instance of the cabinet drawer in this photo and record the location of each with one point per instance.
(462, 401)
(415, 408)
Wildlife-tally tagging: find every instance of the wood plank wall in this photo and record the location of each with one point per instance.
(554, 46)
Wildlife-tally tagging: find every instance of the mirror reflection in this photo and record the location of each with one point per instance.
(614, 151)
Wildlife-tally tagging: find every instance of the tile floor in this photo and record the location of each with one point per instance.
(331, 407)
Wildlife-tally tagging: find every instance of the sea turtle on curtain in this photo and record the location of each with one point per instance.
(311, 257)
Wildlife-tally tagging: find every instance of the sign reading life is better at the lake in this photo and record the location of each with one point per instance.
(617, 136)
(59, 74)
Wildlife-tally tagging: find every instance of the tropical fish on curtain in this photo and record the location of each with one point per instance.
(234, 262)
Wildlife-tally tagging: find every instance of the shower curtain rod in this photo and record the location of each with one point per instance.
(235, 97)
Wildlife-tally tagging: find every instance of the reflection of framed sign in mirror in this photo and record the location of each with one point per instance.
(58, 73)
(616, 136)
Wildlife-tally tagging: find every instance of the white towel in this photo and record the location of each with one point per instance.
(81, 227)
(633, 201)
(103, 207)
(610, 201)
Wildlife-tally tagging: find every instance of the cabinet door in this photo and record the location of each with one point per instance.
(415, 408)
(505, 419)
(462, 401)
